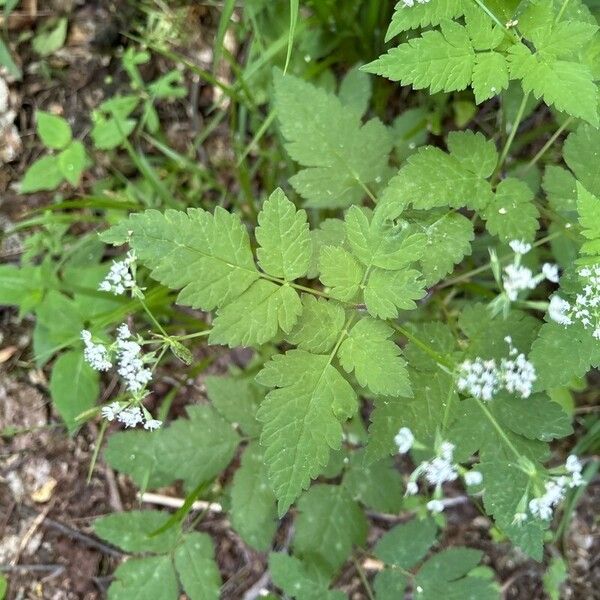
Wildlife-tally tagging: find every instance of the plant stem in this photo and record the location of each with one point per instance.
(549, 143)
(423, 346)
(562, 10)
(152, 317)
(189, 336)
(363, 579)
(511, 135)
(497, 427)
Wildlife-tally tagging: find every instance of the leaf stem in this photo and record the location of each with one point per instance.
(423, 346)
(561, 11)
(549, 143)
(499, 429)
(511, 135)
(152, 317)
(363, 579)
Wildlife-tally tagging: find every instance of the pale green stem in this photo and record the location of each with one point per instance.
(511, 135)
(548, 144)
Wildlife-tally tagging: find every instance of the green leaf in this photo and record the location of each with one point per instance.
(302, 419)
(53, 130)
(22, 286)
(433, 178)
(253, 511)
(387, 292)
(422, 14)
(380, 242)
(490, 75)
(151, 578)
(72, 161)
(195, 450)
(440, 61)
(283, 237)
(341, 157)
(405, 545)
(409, 131)
(74, 386)
(331, 232)
(195, 564)
(376, 485)
(581, 155)
(256, 316)
(328, 525)
(133, 531)
(554, 577)
(207, 256)
(449, 237)
(566, 85)
(375, 359)
(560, 187)
(340, 272)
(42, 174)
(237, 400)
(355, 90)
(295, 579)
(560, 354)
(588, 208)
(51, 37)
(319, 326)
(512, 215)
(389, 584)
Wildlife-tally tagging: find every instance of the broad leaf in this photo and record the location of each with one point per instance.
(196, 567)
(151, 578)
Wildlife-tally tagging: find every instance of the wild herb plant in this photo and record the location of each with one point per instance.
(434, 301)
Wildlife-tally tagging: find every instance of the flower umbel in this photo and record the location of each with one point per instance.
(120, 278)
(96, 355)
(404, 439)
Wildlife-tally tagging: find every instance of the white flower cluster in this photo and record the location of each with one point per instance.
(411, 3)
(483, 379)
(517, 278)
(96, 355)
(120, 278)
(130, 416)
(436, 471)
(130, 361)
(131, 367)
(586, 308)
(554, 491)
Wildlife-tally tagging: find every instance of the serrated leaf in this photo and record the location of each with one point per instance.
(294, 578)
(448, 565)
(440, 61)
(195, 450)
(436, 335)
(328, 525)
(490, 75)
(387, 292)
(342, 157)
(74, 386)
(355, 90)
(561, 189)
(433, 178)
(581, 155)
(331, 232)
(53, 130)
(301, 419)
(341, 272)
(253, 510)
(588, 208)
(422, 14)
(284, 241)
(151, 578)
(207, 256)
(380, 242)
(237, 400)
(566, 85)
(560, 354)
(319, 326)
(476, 153)
(536, 417)
(405, 545)
(42, 174)
(375, 359)
(377, 485)
(257, 315)
(196, 567)
(133, 531)
(512, 214)
(448, 241)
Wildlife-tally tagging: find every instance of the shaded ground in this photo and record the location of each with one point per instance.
(46, 504)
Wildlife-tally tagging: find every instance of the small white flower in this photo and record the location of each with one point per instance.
(96, 355)
(131, 363)
(520, 518)
(131, 416)
(110, 411)
(123, 332)
(558, 310)
(411, 488)
(479, 378)
(435, 506)
(447, 451)
(543, 507)
(517, 278)
(119, 278)
(550, 272)
(440, 470)
(152, 424)
(519, 247)
(404, 439)
(473, 478)
(576, 480)
(518, 375)
(573, 464)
